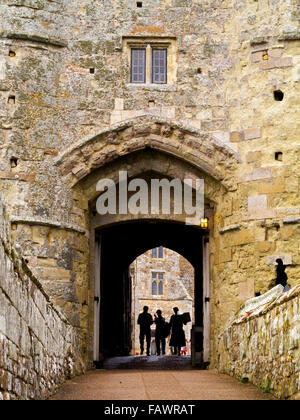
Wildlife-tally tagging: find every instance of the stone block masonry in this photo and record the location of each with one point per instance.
(262, 343)
(69, 116)
(38, 347)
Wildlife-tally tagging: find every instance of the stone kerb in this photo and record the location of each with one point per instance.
(258, 306)
(186, 143)
(255, 305)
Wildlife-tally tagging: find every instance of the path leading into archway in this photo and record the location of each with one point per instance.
(157, 385)
(149, 363)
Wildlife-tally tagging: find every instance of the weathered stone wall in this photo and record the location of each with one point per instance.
(262, 343)
(261, 219)
(39, 349)
(65, 80)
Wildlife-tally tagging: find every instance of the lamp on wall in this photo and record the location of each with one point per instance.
(204, 223)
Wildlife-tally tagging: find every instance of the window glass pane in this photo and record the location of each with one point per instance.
(154, 253)
(154, 275)
(160, 276)
(138, 65)
(161, 252)
(160, 288)
(154, 288)
(159, 66)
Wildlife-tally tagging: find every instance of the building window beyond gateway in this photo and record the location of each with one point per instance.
(157, 284)
(158, 252)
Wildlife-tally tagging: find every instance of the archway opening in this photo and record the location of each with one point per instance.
(119, 245)
(161, 280)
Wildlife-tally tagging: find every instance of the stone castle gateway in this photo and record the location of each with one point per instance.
(165, 89)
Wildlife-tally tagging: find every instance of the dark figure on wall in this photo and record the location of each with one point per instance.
(281, 275)
(177, 333)
(160, 338)
(145, 321)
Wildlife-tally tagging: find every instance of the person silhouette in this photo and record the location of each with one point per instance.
(160, 338)
(177, 336)
(281, 275)
(145, 321)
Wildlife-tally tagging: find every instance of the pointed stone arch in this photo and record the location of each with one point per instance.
(197, 148)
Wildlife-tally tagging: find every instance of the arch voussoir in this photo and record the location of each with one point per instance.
(192, 146)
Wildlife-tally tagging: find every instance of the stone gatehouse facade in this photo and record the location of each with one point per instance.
(179, 88)
(161, 280)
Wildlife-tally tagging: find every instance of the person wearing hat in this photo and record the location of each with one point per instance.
(177, 333)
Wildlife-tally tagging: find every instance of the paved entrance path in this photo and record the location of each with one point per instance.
(149, 363)
(157, 385)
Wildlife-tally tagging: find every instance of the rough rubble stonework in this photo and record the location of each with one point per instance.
(68, 113)
(39, 348)
(262, 345)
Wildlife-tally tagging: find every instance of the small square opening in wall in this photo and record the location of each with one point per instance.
(92, 70)
(139, 4)
(13, 162)
(12, 53)
(279, 156)
(278, 95)
(11, 100)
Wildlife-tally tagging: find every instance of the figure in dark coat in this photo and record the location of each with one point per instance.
(177, 333)
(281, 275)
(160, 338)
(145, 321)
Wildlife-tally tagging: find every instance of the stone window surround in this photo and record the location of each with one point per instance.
(150, 43)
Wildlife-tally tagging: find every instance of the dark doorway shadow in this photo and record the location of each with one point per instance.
(121, 244)
(149, 363)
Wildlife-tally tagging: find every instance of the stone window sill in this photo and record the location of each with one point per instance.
(151, 87)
